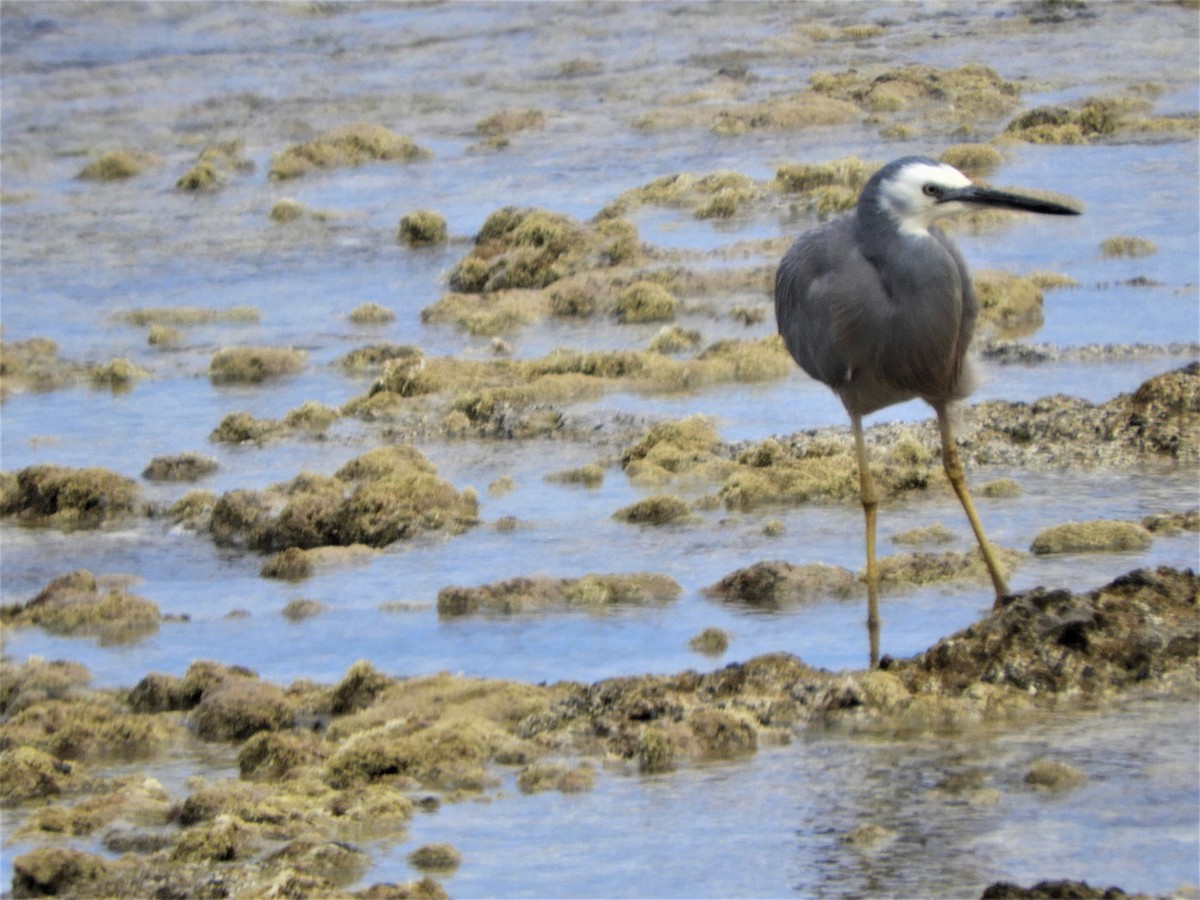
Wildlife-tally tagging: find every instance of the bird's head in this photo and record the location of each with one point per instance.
(914, 192)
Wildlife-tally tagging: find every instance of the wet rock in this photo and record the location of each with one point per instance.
(925, 534)
(388, 494)
(542, 776)
(1052, 775)
(68, 498)
(37, 679)
(869, 834)
(435, 858)
(950, 565)
(422, 228)
(292, 564)
(662, 509)
(272, 755)
(303, 608)
(57, 871)
(181, 467)
(34, 364)
(76, 605)
(358, 689)
(224, 839)
(645, 301)
(239, 708)
(595, 592)
(1099, 535)
(1172, 523)
(774, 584)
(28, 773)
(118, 165)
(350, 145)
(254, 365)
(1141, 629)
(721, 735)
(710, 641)
(1051, 890)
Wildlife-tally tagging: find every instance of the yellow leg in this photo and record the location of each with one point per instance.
(870, 502)
(954, 472)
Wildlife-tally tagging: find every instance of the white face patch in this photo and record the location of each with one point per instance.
(904, 199)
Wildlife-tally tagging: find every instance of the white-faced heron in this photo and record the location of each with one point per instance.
(878, 304)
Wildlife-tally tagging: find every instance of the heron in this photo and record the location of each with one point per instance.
(878, 304)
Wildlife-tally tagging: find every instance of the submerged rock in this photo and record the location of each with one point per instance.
(592, 592)
(775, 584)
(1099, 535)
(67, 498)
(75, 604)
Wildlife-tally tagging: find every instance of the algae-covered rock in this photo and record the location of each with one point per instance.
(303, 608)
(710, 642)
(592, 592)
(1054, 775)
(57, 871)
(435, 858)
(422, 228)
(76, 605)
(27, 773)
(1096, 536)
(774, 584)
(645, 301)
(118, 165)
(1127, 246)
(388, 494)
(34, 364)
(1142, 628)
(240, 708)
(349, 145)
(69, 498)
(661, 509)
(370, 314)
(180, 467)
(253, 365)
(1009, 302)
(950, 565)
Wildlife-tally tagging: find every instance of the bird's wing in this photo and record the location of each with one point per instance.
(899, 329)
(814, 286)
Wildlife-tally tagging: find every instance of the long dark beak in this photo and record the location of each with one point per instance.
(982, 196)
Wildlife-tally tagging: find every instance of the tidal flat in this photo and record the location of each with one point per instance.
(402, 485)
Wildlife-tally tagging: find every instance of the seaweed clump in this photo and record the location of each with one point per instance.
(1096, 119)
(349, 145)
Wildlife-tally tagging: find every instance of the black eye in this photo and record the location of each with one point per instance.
(932, 190)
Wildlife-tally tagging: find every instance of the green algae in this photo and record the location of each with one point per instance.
(349, 145)
(213, 167)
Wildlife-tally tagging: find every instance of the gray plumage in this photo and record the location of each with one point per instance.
(878, 304)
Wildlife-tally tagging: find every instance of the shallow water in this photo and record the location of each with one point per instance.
(174, 78)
